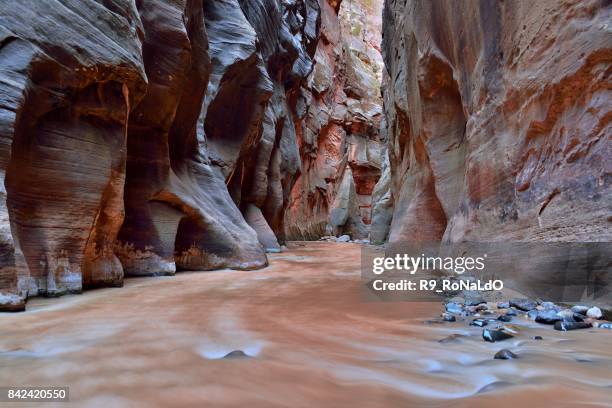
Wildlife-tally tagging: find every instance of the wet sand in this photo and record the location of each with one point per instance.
(310, 341)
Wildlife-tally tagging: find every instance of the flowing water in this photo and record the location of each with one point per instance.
(308, 338)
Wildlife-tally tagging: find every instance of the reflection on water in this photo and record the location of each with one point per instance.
(309, 340)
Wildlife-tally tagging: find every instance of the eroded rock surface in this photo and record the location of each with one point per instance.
(70, 71)
(498, 120)
(338, 122)
(137, 137)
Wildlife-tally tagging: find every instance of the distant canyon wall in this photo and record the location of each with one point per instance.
(498, 121)
(146, 137)
(339, 113)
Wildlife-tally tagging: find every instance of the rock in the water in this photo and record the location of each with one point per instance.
(475, 301)
(549, 306)
(511, 312)
(580, 309)
(566, 326)
(505, 354)
(532, 314)
(453, 307)
(447, 317)
(495, 335)
(523, 304)
(606, 325)
(11, 303)
(479, 322)
(538, 338)
(451, 338)
(594, 313)
(503, 305)
(547, 316)
(504, 318)
(236, 354)
(343, 238)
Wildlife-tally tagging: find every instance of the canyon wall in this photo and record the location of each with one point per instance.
(141, 138)
(497, 120)
(339, 110)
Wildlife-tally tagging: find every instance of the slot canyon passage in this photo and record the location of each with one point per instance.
(235, 156)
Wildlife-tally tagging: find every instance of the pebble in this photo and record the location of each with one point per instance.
(504, 318)
(343, 238)
(594, 312)
(606, 325)
(565, 326)
(503, 305)
(505, 354)
(479, 322)
(523, 304)
(511, 312)
(538, 338)
(495, 335)
(447, 317)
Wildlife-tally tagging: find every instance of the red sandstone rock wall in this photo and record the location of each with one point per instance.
(138, 139)
(338, 126)
(498, 121)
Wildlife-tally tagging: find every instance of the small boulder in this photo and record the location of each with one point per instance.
(236, 354)
(505, 354)
(538, 338)
(447, 317)
(523, 304)
(504, 318)
(547, 317)
(606, 325)
(495, 335)
(511, 312)
(594, 313)
(503, 305)
(453, 307)
(566, 326)
(343, 238)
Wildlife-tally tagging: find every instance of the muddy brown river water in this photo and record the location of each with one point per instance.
(309, 338)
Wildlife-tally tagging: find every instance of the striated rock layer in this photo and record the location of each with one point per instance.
(498, 121)
(338, 119)
(134, 136)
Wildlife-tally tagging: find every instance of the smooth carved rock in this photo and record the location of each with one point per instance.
(66, 91)
(175, 115)
(497, 116)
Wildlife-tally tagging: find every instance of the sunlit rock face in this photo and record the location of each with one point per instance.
(338, 121)
(137, 137)
(498, 120)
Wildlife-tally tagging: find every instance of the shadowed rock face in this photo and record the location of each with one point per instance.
(67, 84)
(498, 121)
(338, 121)
(135, 136)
